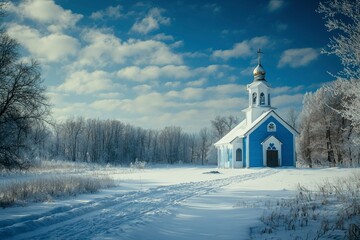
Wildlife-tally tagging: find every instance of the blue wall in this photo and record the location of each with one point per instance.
(261, 133)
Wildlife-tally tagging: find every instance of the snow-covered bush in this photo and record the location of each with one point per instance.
(138, 164)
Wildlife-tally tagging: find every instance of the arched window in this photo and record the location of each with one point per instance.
(238, 155)
(271, 127)
(269, 99)
(254, 95)
(262, 99)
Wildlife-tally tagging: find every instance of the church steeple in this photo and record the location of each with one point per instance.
(259, 93)
(259, 71)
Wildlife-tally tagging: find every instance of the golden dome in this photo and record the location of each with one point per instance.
(259, 73)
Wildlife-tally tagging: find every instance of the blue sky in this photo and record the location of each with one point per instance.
(161, 63)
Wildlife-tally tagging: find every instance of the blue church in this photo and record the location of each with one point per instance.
(263, 139)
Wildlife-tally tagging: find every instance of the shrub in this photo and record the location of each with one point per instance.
(138, 164)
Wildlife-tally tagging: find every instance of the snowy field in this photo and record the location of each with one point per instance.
(162, 202)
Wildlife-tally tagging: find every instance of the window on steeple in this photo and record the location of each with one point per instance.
(262, 99)
(254, 98)
(269, 99)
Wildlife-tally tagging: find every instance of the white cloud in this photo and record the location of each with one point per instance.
(287, 89)
(197, 83)
(211, 71)
(173, 84)
(83, 82)
(247, 71)
(55, 97)
(109, 95)
(107, 104)
(226, 89)
(195, 55)
(52, 47)
(141, 89)
(287, 100)
(187, 93)
(178, 108)
(220, 91)
(81, 109)
(298, 57)
(163, 37)
(105, 48)
(177, 44)
(47, 12)
(243, 49)
(110, 12)
(275, 5)
(151, 22)
(138, 74)
(153, 103)
(221, 105)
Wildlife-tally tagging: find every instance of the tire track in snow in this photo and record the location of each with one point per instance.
(113, 214)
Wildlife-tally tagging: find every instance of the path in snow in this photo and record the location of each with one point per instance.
(113, 216)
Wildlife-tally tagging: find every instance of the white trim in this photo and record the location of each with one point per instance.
(294, 151)
(278, 146)
(272, 113)
(247, 151)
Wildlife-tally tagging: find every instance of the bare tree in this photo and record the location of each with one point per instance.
(222, 125)
(205, 143)
(292, 117)
(22, 103)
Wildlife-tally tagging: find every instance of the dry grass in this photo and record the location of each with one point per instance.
(330, 207)
(42, 189)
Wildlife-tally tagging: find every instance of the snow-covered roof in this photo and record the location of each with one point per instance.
(234, 133)
(242, 128)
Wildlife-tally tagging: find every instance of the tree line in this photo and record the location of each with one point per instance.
(114, 142)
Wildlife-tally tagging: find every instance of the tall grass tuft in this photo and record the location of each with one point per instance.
(331, 208)
(42, 189)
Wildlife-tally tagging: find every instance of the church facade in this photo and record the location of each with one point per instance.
(263, 138)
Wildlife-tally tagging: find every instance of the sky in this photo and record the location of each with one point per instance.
(170, 63)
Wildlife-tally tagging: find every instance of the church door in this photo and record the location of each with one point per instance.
(272, 158)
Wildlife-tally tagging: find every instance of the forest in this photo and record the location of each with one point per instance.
(112, 141)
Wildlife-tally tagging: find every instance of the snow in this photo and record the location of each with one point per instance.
(165, 202)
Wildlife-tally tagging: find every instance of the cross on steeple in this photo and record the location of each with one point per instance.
(259, 52)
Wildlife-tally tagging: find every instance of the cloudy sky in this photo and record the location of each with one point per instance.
(160, 63)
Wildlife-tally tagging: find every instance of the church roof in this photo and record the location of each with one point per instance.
(243, 129)
(234, 133)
